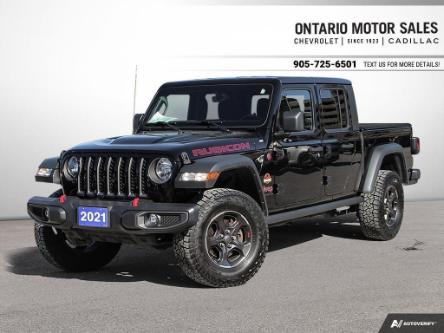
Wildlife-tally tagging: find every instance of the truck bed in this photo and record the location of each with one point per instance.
(385, 129)
(376, 126)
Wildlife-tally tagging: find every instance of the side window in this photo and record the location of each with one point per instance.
(334, 109)
(298, 101)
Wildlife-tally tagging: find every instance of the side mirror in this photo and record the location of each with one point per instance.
(293, 121)
(136, 121)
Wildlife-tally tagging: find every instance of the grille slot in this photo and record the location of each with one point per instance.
(131, 177)
(113, 176)
(100, 177)
(109, 176)
(81, 178)
(121, 177)
(142, 177)
(90, 177)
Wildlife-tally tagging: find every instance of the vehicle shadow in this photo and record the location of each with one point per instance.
(132, 264)
(137, 263)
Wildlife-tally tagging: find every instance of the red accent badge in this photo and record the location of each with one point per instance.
(135, 202)
(62, 198)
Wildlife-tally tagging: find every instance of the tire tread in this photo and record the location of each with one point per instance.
(186, 248)
(369, 212)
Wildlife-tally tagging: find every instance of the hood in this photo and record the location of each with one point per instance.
(196, 144)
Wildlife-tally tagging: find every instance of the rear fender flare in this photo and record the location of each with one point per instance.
(374, 162)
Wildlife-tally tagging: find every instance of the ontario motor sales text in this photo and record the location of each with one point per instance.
(341, 28)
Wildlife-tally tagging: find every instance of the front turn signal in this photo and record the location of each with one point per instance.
(198, 176)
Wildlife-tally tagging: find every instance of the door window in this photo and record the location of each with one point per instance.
(298, 101)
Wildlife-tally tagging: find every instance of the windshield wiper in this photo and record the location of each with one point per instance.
(167, 124)
(215, 124)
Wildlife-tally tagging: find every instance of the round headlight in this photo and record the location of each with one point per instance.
(72, 166)
(160, 170)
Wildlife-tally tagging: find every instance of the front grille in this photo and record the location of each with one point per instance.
(113, 176)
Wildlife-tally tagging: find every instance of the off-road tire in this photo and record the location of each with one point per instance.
(56, 250)
(371, 212)
(190, 249)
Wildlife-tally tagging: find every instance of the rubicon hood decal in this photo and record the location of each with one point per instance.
(195, 145)
(216, 150)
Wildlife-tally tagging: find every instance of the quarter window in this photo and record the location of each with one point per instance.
(298, 101)
(334, 109)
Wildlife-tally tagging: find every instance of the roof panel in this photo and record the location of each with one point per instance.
(303, 79)
(251, 79)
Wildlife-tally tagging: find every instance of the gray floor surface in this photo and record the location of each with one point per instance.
(320, 275)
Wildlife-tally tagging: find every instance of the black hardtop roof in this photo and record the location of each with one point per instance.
(260, 79)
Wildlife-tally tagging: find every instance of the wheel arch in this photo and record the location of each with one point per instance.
(243, 180)
(235, 172)
(384, 157)
(395, 162)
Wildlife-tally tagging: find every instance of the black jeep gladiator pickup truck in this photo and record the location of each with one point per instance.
(214, 163)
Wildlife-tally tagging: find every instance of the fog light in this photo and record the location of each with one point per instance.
(148, 221)
(152, 220)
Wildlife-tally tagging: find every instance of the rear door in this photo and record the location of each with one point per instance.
(298, 171)
(340, 141)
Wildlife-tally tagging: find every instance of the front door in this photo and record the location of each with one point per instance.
(297, 166)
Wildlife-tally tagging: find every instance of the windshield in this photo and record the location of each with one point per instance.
(227, 104)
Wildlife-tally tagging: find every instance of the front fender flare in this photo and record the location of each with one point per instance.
(220, 164)
(53, 164)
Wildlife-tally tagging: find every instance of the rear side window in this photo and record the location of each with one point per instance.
(298, 101)
(334, 108)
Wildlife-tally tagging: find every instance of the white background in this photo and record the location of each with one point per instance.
(67, 74)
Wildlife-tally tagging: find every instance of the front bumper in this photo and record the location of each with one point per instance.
(123, 217)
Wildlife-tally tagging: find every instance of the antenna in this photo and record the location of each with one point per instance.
(135, 91)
